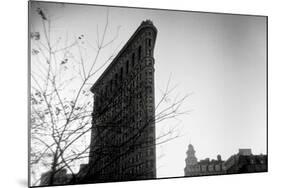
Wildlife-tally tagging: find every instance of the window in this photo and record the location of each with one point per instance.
(116, 80)
(101, 95)
(96, 100)
(106, 90)
(148, 42)
(139, 57)
(150, 89)
(151, 152)
(121, 74)
(133, 59)
(149, 52)
(127, 67)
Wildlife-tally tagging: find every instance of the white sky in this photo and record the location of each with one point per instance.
(219, 58)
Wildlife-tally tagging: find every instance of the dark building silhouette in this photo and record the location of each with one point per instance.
(123, 126)
(123, 119)
(246, 162)
(243, 162)
(60, 177)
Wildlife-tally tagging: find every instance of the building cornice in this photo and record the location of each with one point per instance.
(143, 25)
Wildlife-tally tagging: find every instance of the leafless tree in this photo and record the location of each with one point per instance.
(61, 102)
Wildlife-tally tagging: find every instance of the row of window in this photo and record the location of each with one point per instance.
(127, 104)
(134, 83)
(125, 100)
(118, 78)
(136, 169)
(205, 168)
(114, 82)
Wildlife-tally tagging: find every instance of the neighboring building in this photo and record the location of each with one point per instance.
(243, 162)
(203, 167)
(246, 162)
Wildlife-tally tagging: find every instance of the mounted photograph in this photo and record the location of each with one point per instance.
(125, 93)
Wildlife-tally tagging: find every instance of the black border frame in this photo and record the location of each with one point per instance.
(117, 6)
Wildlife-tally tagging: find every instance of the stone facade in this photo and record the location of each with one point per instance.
(203, 167)
(246, 162)
(123, 126)
(242, 162)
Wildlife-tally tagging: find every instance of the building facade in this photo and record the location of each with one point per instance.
(202, 167)
(123, 119)
(245, 162)
(122, 144)
(242, 162)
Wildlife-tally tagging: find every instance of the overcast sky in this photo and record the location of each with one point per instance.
(219, 58)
